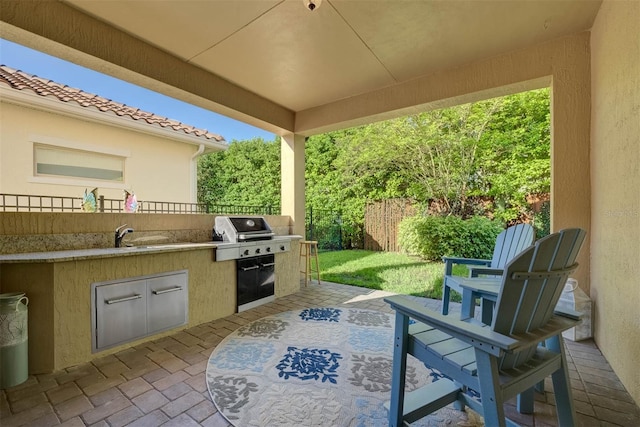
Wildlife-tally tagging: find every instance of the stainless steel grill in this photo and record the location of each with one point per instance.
(250, 241)
(246, 236)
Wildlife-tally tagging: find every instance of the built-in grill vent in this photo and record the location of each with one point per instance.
(242, 228)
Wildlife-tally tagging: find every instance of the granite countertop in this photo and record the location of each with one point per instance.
(83, 254)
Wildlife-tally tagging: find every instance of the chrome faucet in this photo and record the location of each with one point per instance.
(121, 232)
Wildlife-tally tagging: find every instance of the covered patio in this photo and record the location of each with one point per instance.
(276, 65)
(162, 382)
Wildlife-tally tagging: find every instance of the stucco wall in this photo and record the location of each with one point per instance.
(156, 169)
(615, 177)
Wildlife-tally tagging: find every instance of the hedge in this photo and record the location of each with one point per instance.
(432, 237)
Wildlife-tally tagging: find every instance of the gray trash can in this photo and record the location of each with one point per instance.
(14, 357)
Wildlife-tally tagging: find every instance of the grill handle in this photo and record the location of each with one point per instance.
(164, 291)
(117, 300)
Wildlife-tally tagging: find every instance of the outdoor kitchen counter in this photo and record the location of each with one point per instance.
(83, 254)
(58, 285)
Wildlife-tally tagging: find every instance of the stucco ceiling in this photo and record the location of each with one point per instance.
(300, 59)
(297, 60)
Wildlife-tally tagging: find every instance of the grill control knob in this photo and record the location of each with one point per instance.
(246, 251)
(282, 248)
(268, 248)
(258, 250)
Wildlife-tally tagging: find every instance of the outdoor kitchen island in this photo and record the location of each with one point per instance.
(58, 284)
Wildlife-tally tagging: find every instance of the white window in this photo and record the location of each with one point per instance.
(54, 161)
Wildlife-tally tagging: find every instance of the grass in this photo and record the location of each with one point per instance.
(392, 272)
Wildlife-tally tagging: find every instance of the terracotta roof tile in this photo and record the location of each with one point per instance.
(20, 80)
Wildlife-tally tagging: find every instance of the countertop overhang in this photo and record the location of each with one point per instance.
(83, 254)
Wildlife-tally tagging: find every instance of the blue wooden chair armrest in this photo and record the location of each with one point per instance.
(477, 335)
(473, 334)
(450, 261)
(485, 271)
(467, 261)
(567, 312)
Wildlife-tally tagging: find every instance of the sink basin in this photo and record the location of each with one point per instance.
(166, 246)
(173, 245)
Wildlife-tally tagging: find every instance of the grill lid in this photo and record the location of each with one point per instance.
(242, 228)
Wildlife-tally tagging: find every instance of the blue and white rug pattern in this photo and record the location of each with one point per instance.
(312, 367)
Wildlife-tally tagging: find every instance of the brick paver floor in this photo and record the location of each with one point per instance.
(162, 382)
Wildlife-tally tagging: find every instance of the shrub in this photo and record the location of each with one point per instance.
(542, 221)
(432, 237)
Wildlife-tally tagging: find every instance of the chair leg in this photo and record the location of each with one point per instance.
(562, 385)
(525, 402)
(487, 307)
(459, 404)
(492, 400)
(445, 299)
(398, 371)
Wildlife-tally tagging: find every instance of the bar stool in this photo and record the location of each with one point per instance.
(309, 251)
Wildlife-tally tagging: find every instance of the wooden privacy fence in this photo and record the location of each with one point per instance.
(381, 219)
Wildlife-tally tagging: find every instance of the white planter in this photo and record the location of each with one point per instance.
(574, 298)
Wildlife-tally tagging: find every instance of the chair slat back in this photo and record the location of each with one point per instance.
(510, 243)
(527, 303)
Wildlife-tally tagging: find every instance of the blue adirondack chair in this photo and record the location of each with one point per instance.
(501, 360)
(509, 243)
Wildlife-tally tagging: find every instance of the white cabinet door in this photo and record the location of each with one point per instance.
(120, 312)
(167, 298)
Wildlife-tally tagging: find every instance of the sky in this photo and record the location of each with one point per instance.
(49, 67)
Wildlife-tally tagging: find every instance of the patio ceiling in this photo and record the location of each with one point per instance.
(277, 56)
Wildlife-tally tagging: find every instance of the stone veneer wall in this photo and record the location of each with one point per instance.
(22, 232)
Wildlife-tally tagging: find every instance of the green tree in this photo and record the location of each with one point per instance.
(247, 173)
(326, 184)
(498, 148)
(440, 154)
(514, 157)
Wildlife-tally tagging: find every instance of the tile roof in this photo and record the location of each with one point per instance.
(20, 80)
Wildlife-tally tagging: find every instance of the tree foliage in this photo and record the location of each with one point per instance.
(514, 154)
(247, 173)
(497, 149)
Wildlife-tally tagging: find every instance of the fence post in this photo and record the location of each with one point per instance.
(340, 229)
(101, 208)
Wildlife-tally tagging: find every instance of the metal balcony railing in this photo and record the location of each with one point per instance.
(37, 203)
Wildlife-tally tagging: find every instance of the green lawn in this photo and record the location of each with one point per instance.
(387, 271)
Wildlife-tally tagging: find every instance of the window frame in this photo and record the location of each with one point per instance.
(38, 141)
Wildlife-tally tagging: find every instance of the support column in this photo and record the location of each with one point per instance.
(293, 186)
(570, 148)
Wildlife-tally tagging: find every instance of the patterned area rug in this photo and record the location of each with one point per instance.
(314, 367)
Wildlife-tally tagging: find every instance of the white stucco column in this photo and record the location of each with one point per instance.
(292, 174)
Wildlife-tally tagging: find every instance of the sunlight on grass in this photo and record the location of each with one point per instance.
(392, 272)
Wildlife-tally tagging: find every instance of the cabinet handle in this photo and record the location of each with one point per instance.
(113, 301)
(269, 264)
(253, 267)
(164, 291)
